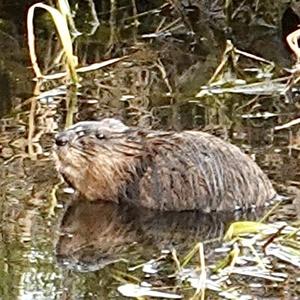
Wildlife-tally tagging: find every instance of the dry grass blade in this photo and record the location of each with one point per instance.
(247, 227)
(176, 260)
(64, 8)
(63, 33)
(89, 68)
(189, 256)
(229, 260)
(288, 125)
(292, 40)
(228, 50)
(203, 276)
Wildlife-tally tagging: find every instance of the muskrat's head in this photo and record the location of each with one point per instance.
(97, 157)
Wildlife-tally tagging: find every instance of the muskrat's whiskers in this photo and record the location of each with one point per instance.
(132, 145)
(87, 154)
(124, 151)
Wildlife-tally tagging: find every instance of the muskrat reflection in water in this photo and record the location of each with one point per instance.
(96, 234)
(106, 160)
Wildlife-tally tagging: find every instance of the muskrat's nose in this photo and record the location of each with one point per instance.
(61, 139)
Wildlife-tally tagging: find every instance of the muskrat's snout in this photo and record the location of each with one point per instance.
(61, 139)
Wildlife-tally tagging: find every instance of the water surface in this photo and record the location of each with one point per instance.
(49, 250)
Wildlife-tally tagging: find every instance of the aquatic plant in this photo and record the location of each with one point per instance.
(60, 20)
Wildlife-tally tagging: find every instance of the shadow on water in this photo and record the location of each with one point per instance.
(174, 49)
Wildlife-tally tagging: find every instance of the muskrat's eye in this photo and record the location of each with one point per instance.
(100, 135)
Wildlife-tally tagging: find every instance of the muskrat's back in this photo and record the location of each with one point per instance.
(190, 170)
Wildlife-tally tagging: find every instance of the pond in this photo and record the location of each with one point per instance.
(180, 65)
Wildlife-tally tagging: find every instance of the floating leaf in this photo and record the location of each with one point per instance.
(243, 227)
(133, 290)
(284, 253)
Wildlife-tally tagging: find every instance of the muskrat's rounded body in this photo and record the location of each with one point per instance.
(190, 170)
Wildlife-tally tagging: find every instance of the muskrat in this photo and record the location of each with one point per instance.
(189, 170)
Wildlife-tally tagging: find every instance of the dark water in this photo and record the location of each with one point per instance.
(49, 250)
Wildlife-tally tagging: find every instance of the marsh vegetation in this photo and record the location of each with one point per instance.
(225, 67)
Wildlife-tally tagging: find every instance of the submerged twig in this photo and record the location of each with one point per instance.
(31, 126)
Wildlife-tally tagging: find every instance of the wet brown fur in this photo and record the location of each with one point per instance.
(190, 170)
